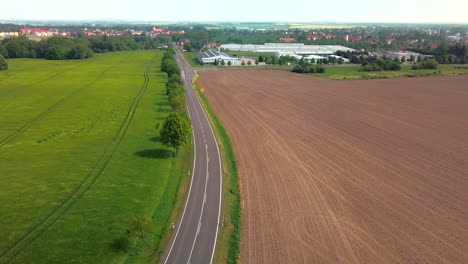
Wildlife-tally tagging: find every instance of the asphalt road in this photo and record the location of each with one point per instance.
(195, 237)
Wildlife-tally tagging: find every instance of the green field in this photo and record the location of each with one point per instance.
(80, 160)
(347, 72)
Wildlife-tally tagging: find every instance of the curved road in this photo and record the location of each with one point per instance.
(195, 238)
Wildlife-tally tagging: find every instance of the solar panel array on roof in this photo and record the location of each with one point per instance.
(214, 53)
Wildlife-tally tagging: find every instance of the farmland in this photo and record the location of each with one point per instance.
(369, 171)
(80, 164)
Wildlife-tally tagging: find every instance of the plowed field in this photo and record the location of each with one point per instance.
(348, 171)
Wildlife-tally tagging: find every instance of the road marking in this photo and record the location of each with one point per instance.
(202, 208)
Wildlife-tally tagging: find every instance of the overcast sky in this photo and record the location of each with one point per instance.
(412, 11)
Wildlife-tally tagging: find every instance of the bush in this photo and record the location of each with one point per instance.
(381, 64)
(308, 69)
(3, 63)
(138, 227)
(370, 67)
(426, 64)
(178, 102)
(320, 69)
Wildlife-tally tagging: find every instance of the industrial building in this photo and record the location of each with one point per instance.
(213, 56)
(291, 49)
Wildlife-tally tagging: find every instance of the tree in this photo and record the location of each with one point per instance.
(411, 59)
(3, 51)
(223, 63)
(55, 52)
(79, 52)
(178, 102)
(243, 63)
(176, 130)
(403, 59)
(340, 60)
(256, 62)
(249, 63)
(229, 63)
(3, 63)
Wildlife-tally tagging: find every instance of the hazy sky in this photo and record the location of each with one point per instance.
(413, 11)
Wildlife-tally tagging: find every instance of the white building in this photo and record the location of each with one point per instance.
(211, 56)
(296, 49)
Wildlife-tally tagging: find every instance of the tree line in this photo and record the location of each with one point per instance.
(61, 48)
(176, 129)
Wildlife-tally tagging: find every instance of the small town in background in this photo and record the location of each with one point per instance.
(336, 44)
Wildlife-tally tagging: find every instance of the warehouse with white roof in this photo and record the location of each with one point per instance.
(292, 49)
(213, 56)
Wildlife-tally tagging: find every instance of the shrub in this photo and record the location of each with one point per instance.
(3, 63)
(381, 64)
(138, 227)
(178, 102)
(426, 64)
(370, 67)
(320, 69)
(308, 69)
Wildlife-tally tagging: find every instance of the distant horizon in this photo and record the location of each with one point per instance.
(293, 11)
(118, 20)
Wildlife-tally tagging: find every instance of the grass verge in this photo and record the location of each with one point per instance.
(352, 72)
(151, 246)
(228, 244)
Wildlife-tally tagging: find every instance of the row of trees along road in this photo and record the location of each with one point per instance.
(176, 129)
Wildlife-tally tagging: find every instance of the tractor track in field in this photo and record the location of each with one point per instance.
(34, 83)
(32, 122)
(36, 232)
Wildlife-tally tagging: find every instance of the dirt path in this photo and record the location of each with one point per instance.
(348, 172)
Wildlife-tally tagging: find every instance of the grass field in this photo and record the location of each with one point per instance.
(353, 73)
(81, 163)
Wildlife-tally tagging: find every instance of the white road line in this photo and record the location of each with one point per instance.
(202, 208)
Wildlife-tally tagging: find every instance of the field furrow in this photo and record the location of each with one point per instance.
(347, 171)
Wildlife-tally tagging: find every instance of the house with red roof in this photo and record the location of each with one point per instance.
(287, 39)
(350, 38)
(314, 37)
(390, 41)
(36, 32)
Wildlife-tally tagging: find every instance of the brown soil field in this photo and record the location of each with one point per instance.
(371, 171)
